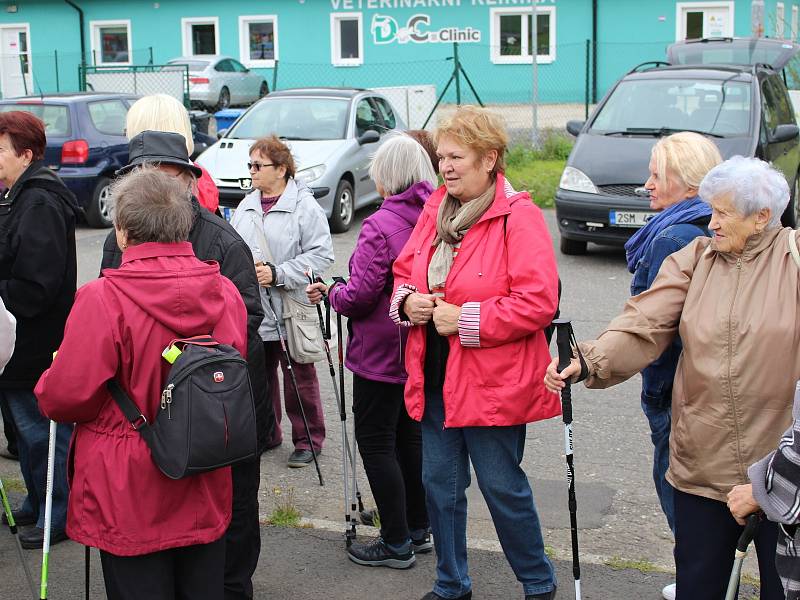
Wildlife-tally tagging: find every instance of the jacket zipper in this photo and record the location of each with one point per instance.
(730, 368)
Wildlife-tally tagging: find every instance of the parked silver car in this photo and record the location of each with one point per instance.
(332, 132)
(217, 81)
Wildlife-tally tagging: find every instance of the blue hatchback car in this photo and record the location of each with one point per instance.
(86, 143)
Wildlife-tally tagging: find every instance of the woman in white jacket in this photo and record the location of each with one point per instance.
(283, 213)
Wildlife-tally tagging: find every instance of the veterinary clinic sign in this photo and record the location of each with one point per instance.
(387, 30)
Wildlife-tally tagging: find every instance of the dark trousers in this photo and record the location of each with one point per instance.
(243, 538)
(9, 429)
(188, 573)
(390, 444)
(705, 542)
(308, 385)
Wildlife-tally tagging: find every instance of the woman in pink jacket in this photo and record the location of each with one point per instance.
(477, 284)
(158, 538)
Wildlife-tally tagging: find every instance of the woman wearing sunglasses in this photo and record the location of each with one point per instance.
(284, 213)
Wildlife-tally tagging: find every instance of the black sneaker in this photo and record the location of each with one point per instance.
(378, 554)
(435, 596)
(301, 458)
(422, 544)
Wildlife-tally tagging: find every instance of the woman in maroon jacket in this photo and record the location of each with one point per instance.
(158, 538)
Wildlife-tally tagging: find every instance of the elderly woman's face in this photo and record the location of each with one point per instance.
(665, 188)
(466, 175)
(11, 165)
(267, 177)
(731, 228)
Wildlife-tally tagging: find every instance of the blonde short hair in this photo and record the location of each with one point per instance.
(687, 155)
(477, 129)
(159, 112)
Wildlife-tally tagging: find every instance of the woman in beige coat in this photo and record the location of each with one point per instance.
(735, 301)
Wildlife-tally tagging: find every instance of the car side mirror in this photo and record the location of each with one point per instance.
(574, 127)
(221, 133)
(370, 136)
(784, 133)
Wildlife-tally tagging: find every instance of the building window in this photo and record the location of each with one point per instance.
(512, 35)
(695, 20)
(111, 42)
(780, 20)
(258, 40)
(200, 35)
(347, 40)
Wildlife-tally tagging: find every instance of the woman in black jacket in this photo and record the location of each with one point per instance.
(38, 273)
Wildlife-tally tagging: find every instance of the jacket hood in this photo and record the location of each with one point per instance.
(39, 176)
(182, 294)
(407, 204)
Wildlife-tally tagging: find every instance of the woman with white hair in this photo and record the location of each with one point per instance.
(160, 112)
(734, 299)
(389, 441)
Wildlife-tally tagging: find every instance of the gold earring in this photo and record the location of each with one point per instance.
(124, 246)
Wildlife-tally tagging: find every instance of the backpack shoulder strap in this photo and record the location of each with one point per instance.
(793, 247)
(127, 406)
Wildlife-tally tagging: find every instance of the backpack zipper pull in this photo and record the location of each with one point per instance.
(166, 400)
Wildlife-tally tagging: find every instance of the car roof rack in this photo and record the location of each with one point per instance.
(652, 63)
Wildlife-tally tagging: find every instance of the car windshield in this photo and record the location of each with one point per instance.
(294, 118)
(662, 106)
(55, 116)
(195, 66)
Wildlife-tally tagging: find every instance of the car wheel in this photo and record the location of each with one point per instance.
(98, 213)
(572, 247)
(791, 216)
(263, 90)
(224, 99)
(343, 204)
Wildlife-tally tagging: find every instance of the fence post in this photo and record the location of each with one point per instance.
(150, 48)
(457, 72)
(586, 103)
(275, 76)
(535, 77)
(55, 54)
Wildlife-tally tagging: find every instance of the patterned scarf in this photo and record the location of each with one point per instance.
(452, 223)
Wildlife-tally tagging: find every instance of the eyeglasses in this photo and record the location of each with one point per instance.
(258, 166)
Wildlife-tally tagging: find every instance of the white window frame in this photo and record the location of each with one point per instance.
(794, 21)
(244, 40)
(186, 37)
(336, 59)
(97, 43)
(526, 56)
(680, 7)
(780, 21)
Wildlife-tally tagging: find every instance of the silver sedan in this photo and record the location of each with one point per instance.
(217, 82)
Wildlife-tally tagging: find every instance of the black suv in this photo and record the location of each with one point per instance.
(732, 90)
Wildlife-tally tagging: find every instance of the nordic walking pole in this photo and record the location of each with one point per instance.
(750, 530)
(563, 337)
(12, 526)
(48, 508)
(289, 368)
(352, 449)
(87, 557)
(338, 392)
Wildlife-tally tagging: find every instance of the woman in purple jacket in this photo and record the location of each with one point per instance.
(389, 441)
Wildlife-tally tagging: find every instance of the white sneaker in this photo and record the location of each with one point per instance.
(668, 593)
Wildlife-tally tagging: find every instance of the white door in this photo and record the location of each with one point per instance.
(704, 20)
(15, 62)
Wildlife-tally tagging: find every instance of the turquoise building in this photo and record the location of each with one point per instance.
(581, 46)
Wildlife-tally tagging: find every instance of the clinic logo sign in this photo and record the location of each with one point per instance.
(386, 30)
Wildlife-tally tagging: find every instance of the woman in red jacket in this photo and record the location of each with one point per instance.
(477, 284)
(158, 538)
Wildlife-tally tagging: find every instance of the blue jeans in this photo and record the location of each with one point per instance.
(496, 454)
(33, 434)
(659, 415)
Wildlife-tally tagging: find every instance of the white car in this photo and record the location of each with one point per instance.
(217, 82)
(333, 134)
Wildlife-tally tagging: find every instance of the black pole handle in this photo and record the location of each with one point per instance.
(563, 334)
(750, 530)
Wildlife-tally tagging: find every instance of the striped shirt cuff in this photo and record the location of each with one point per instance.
(403, 291)
(469, 325)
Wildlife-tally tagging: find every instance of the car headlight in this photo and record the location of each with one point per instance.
(577, 181)
(311, 174)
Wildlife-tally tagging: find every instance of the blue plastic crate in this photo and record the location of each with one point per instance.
(225, 118)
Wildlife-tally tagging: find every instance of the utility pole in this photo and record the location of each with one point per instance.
(534, 49)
